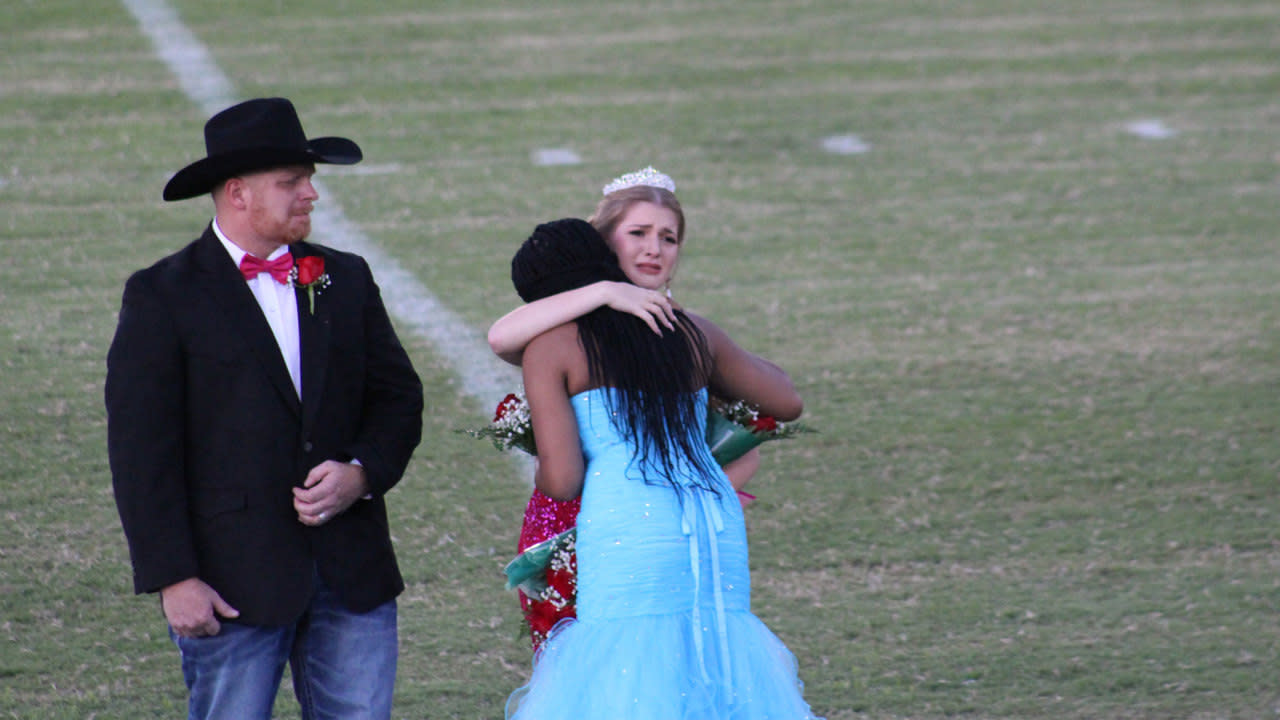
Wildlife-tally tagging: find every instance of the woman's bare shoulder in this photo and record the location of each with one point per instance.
(558, 347)
(561, 349)
(555, 338)
(715, 336)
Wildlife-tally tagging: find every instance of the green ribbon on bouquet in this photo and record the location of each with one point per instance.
(728, 440)
(528, 571)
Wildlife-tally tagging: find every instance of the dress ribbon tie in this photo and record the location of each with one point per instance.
(708, 504)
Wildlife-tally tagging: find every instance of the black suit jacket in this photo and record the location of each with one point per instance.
(207, 436)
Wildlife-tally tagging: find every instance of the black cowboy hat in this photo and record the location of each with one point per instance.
(256, 135)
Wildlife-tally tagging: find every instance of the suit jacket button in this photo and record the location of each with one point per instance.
(306, 446)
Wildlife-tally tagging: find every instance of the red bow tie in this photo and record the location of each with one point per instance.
(251, 266)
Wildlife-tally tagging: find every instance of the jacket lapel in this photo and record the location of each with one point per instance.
(313, 335)
(221, 279)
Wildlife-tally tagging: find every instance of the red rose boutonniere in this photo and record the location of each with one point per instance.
(308, 272)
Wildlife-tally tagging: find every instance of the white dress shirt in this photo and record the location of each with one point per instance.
(279, 304)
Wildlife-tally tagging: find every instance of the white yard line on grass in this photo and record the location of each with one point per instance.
(483, 375)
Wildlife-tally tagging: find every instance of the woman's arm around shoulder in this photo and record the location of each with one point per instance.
(510, 334)
(743, 375)
(547, 365)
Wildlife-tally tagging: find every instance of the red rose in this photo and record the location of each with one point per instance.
(310, 268)
(542, 616)
(563, 581)
(508, 404)
(764, 423)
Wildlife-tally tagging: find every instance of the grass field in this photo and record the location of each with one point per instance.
(1043, 350)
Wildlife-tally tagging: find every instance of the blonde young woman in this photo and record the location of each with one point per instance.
(643, 223)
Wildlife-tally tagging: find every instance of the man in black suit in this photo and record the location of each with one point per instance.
(259, 408)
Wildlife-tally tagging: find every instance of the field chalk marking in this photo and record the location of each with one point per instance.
(484, 377)
(1150, 129)
(554, 156)
(845, 145)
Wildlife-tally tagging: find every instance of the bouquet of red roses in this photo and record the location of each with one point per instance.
(511, 426)
(547, 573)
(735, 427)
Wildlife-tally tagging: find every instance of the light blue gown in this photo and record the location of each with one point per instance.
(664, 628)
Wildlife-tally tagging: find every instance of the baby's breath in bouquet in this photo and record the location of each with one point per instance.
(511, 426)
(547, 573)
(734, 427)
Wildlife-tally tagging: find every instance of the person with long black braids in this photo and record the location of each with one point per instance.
(664, 626)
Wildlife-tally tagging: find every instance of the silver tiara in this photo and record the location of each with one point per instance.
(647, 176)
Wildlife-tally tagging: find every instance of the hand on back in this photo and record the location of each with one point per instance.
(651, 306)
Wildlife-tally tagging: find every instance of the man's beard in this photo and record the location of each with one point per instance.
(296, 232)
(292, 230)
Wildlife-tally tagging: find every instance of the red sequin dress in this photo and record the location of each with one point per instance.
(544, 518)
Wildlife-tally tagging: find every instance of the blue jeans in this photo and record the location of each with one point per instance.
(343, 665)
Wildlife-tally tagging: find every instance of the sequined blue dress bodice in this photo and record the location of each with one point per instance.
(664, 629)
(641, 545)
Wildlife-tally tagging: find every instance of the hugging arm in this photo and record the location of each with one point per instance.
(512, 333)
(746, 376)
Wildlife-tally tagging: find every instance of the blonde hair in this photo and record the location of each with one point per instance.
(614, 206)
